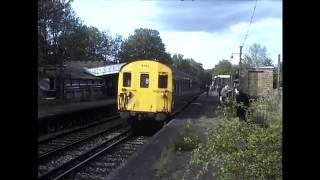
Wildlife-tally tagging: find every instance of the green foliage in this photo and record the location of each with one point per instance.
(62, 36)
(191, 67)
(266, 111)
(165, 162)
(88, 43)
(144, 44)
(54, 19)
(229, 110)
(240, 150)
(187, 139)
(224, 67)
(257, 56)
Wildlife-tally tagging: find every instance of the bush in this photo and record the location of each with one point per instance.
(266, 111)
(240, 150)
(187, 139)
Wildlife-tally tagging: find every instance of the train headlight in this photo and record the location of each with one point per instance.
(164, 93)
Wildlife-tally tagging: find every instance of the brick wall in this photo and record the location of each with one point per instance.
(257, 81)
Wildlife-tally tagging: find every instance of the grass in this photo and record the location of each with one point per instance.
(184, 141)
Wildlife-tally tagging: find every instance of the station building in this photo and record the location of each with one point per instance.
(78, 81)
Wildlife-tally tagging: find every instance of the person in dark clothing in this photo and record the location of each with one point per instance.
(243, 98)
(219, 89)
(207, 89)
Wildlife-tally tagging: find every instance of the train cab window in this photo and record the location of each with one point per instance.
(126, 79)
(144, 80)
(163, 81)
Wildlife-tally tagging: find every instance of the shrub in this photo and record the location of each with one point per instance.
(265, 111)
(187, 139)
(240, 150)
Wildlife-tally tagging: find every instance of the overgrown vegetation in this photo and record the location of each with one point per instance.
(186, 140)
(242, 150)
(165, 163)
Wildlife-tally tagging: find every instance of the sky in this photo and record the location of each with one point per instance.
(205, 30)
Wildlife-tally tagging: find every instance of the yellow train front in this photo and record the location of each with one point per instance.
(148, 89)
(145, 90)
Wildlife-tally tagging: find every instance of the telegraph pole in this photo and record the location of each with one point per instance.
(240, 64)
(278, 79)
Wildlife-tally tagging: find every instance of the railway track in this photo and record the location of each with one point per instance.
(102, 163)
(47, 138)
(62, 144)
(90, 153)
(65, 140)
(64, 154)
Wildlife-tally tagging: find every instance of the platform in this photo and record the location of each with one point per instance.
(48, 111)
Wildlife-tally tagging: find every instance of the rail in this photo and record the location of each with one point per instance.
(70, 166)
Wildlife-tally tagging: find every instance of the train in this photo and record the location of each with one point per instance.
(149, 89)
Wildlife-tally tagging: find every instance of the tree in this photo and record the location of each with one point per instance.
(116, 44)
(144, 44)
(54, 19)
(61, 36)
(257, 56)
(225, 67)
(180, 63)
(192, 68)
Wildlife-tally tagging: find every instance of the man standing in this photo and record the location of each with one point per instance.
(224, 93)
(207, 89)
(243, 99)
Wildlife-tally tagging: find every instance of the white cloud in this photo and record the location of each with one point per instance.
(209, 48)
(267, 32)
(122, 17)
(206, 48)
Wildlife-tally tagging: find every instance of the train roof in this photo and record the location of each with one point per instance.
(152, 60)
(115, 68)
(182, 75)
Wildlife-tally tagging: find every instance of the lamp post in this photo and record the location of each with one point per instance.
(240, 63)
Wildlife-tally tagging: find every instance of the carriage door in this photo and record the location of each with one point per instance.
(146, 97)
(164, 97)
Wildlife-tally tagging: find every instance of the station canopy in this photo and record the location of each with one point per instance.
(222, 76)
(105, 70)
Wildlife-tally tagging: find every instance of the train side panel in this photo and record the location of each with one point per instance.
(186, 87)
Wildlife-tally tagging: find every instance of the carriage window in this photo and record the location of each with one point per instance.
(144, 80)
(126, 79)
(163, 81)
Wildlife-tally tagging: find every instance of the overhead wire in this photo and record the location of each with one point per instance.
(254, 9)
